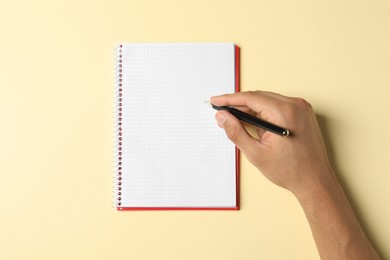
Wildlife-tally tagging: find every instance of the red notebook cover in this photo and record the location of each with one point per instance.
(120, 160)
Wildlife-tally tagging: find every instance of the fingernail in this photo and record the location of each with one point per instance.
(221, 118)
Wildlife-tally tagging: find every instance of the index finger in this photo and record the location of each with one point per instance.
(256, 101)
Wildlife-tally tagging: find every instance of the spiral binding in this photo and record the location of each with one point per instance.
(118, 128)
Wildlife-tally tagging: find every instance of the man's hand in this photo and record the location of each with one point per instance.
(296, 162)
(300, 164)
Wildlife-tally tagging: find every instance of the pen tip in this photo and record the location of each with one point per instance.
(207, 103)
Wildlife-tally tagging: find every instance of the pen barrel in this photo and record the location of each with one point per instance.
(256, 121)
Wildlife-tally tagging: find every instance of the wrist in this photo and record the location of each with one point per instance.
(323, 185)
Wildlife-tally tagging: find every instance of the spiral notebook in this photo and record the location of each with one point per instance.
(169, 151)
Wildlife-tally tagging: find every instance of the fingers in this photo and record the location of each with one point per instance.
(254, 100)
(236, 99)
(237, 133)
(266, 105)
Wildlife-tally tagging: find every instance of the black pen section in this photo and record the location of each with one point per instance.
(254, 120)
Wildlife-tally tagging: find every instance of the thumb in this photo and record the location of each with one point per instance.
(236, 132)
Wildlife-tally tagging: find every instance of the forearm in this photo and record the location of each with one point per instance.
(335, 228)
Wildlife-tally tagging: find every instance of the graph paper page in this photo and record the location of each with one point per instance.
(174, 154)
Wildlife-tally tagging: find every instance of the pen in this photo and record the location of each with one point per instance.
(252, 120)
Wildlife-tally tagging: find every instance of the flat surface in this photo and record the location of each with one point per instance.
(56, 79)
(172, 152)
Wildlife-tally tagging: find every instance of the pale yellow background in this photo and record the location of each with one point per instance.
(56, 107)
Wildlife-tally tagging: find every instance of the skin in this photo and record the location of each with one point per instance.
(298, 163)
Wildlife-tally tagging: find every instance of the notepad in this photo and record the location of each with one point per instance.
(169, 151)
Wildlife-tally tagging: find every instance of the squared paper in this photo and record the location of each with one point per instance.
(174, 154)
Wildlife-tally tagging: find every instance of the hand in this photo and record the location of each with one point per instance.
(300, 164)
(296, 162)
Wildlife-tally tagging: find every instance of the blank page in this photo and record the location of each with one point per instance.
(171, 153)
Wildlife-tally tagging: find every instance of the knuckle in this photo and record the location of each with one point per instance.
(297, 109)
(252, 98)
(302, 104)
(250, 94)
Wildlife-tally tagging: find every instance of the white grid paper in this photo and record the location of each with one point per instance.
(174, 155)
